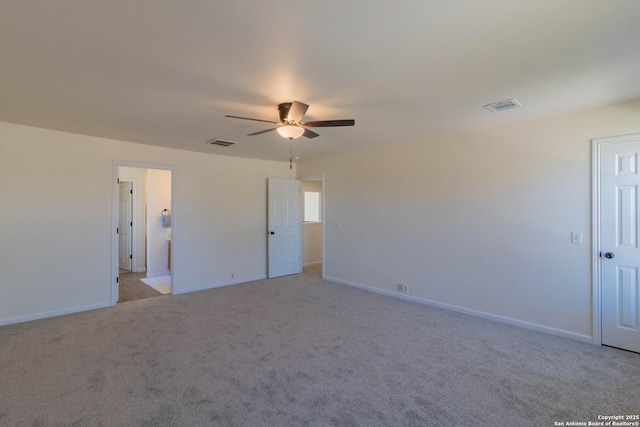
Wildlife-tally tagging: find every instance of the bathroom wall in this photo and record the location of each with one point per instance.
(158, 199)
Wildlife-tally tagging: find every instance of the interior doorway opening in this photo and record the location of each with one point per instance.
(143, 206)
(313, 247)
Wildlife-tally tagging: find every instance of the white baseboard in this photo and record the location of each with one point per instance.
(162, 273)
(140, 270)
(53, 313)
(484, 315)
(309, 264)
(219, 284)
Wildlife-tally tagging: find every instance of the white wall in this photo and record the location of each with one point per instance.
(311, 232)
(158, 199)
(478, 220)
(139, 177)
(56, 214)
(312, 243)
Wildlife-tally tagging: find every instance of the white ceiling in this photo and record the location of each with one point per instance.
(166, 72)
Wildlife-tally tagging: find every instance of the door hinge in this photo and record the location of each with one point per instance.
(117, 280)
(131, 256)
(131, 223)
(117, 231)
(118, 180)
(131, 191)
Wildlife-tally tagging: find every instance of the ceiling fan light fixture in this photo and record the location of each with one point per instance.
(290, 131)
(291, 126)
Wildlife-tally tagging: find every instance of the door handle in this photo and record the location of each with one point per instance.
(609, 255)
(273, 232)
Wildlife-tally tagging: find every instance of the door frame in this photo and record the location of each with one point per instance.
(134, 219)
(115, 202)
(321, 178)
(596, 247)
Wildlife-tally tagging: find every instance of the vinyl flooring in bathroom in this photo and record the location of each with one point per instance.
(132, 288)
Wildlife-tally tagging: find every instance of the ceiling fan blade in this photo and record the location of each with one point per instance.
(328, 123)
(249, 118)
(297, 111)
(262, 131)
(309, 133)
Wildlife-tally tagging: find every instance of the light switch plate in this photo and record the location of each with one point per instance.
(576, 237)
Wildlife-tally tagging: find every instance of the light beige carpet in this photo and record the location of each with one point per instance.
(298, 351)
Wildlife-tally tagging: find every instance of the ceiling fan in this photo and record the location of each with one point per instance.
(291, 126)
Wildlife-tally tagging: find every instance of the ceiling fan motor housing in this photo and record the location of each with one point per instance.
(283, 110)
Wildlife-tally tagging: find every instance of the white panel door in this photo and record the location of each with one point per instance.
(620, 256)
(125, 225)
(284, 233)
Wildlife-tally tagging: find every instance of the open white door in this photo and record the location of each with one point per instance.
(284, 249)
(619, 245)
(125, 226)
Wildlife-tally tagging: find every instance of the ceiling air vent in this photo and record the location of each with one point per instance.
(507, 104)
(221, 142)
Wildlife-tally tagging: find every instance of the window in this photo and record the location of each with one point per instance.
(311, 206)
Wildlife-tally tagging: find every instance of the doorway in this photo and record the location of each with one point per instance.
(142, 267)
(616, 245)
(313, 225)
(125, 225)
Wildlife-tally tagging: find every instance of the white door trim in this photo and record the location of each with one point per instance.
(596, 280)
(322, 208)
(134, 219)
(175, 272)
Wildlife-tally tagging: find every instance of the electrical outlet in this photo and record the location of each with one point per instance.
(403, 288)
